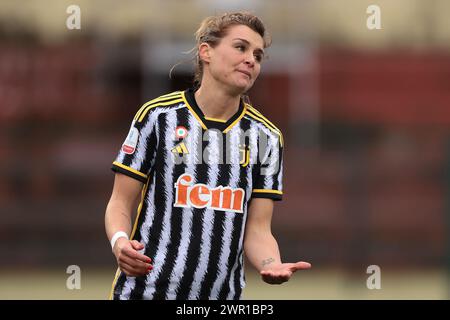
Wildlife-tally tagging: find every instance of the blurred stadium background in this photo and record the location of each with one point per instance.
(365, 114)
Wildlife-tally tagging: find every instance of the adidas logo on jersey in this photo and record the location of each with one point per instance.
(180, 149)
(201, 196)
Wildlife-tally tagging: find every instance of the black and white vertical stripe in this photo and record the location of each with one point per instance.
(187, 219)
(212, 160)
(159, 257)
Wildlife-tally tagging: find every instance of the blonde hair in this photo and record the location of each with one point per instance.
(213, 29)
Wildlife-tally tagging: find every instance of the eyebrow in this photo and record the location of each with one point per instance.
(247, 42)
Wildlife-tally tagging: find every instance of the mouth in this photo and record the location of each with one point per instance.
(248, 74)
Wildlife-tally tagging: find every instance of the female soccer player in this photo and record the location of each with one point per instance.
(203, 169)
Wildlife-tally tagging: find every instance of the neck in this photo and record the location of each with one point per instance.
(216, 102)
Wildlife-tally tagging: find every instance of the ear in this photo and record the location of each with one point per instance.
(204, 52)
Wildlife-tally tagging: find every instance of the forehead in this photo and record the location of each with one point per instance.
(244, 32)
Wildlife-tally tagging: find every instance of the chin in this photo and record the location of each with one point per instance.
(239, 87)
(235, 89)
(244, 87)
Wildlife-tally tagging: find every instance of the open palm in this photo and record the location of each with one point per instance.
(282, 272)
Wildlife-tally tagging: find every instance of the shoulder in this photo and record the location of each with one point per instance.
(263, 123)
(161, 104)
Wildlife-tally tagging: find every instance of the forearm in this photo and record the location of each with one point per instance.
(117, 219)
(261, 249)
(127, 252)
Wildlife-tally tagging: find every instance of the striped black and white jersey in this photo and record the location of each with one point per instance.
(199, 175)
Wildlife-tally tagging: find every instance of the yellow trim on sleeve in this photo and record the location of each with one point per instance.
(267, 191)
(129, 169)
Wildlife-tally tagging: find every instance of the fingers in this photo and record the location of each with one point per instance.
(136, 245)
(132, 271)
(132, 253)
(301, 265)
(132, 262)
(135, 263)
(136, 255)
(283, 272)
(133, 267)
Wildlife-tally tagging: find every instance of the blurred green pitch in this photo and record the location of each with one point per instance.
(308, 285)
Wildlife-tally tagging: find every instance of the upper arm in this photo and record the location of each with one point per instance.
(259, 217)
(126, 192)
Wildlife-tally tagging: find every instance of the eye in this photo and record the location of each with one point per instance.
(240, 47)
(258, 57)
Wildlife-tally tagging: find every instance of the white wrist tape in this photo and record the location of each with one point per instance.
(116, 236)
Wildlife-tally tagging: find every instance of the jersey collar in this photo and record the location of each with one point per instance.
(209, 123)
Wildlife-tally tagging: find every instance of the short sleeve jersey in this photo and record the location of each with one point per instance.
(199, 175)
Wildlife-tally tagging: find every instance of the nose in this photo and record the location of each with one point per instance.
(250, 60)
